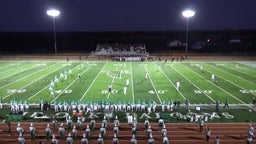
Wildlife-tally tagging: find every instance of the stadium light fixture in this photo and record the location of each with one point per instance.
(187, 14)
(54, 13)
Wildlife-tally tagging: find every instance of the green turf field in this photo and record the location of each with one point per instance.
(30, 80)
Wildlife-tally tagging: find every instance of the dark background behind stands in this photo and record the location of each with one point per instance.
(213, 41)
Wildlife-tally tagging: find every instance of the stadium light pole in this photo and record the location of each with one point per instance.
(187, 14)
(54, 13)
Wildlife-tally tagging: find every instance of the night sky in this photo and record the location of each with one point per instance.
(126, 15)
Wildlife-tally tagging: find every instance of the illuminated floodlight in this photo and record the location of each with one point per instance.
(53, 12)
(188, 13)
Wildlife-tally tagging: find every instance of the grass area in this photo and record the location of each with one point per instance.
(30, 80)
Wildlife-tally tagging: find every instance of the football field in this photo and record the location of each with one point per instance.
(200, 82)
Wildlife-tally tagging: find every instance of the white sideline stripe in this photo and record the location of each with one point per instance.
(153, 85)
(194, 84)
(28, 84)
(69, 85)
(216, 85)
(229, 80)
(44, 87)
(172, 83)
(92, 83)
(26, 76)
(132, 81)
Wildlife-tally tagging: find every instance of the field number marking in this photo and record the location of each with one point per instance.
(9, 91)
(66, 91)
(158, 91)
(112, 91)
(247, 91)
(203, 91)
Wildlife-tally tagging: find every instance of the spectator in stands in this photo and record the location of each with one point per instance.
(9, 129)
(54, 140)
(250, 130)
(88, 132)
(92, 124)
(100, 140)
(62, 132)
(207, 133)
(115, 139)
(149, 131)
(134, 130)
(19, 130)
(54, 123)
(146, 123)
(165, 140)
(217, 140)
(201, 124)
(21, 140)
(160, 123)
(32, 131)
(48, 131)
(74, 133)
(133, 140)
(104, 122)
(69, 139)
(164, 131)
(249, 140)
(151, 139)
(116, 122)
(103, 131)
(69, 123)
(116, 130)
(84, 140)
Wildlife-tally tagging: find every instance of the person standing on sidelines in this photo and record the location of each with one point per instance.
(226, 103)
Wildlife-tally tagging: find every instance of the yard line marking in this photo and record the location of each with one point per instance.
(193, 84)
(216, 85)
(92, 82)
(47, 85)
(29, 84)
(7, 66)
(229, 80)
(153, 85)
(69, 85)
(172, 83)
(132, 81)
(113, 79)
(27, 76)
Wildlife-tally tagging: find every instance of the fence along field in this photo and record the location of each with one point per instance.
(147, 81)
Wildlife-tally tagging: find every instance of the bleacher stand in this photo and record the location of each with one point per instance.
(122, 52)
